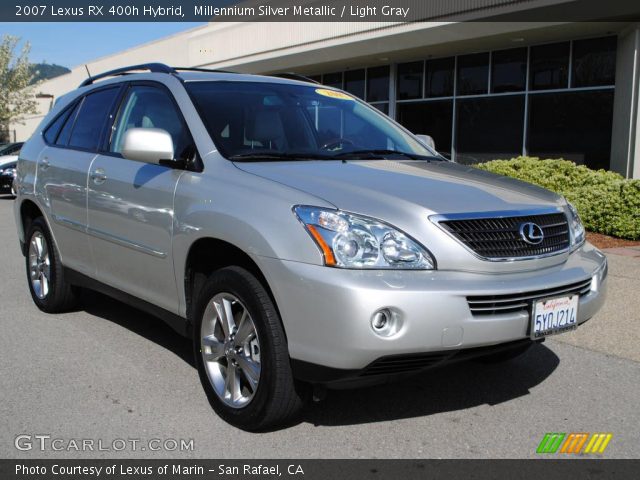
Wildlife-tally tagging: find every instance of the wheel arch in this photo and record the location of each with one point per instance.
(29, 211)
(208, 254)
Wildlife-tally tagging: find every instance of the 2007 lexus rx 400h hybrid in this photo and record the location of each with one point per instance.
(298, 235)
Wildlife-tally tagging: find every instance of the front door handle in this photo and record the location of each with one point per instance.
(99, 176)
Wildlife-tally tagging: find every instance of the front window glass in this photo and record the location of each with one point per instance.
(150, 107)
(298, 121)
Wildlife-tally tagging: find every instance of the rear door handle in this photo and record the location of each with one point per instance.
(44, 164)
(99, 176)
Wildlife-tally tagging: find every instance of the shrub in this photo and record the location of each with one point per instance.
(607, 202)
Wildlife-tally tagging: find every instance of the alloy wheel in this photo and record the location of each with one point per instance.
(230, 350)
(39, 265)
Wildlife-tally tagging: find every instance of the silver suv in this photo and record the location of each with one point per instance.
(298, 235)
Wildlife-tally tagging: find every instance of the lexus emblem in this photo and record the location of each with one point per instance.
(531, 233)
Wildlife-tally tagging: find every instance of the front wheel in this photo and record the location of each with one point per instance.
(241, 352)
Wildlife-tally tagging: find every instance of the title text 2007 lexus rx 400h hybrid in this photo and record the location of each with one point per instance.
(301, 238)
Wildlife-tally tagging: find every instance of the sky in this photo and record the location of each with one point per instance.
(71, 44)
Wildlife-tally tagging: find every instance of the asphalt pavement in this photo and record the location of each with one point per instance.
(108, 372)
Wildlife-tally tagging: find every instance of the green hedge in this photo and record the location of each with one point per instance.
(607, 202)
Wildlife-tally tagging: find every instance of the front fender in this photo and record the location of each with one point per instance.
(252, 213)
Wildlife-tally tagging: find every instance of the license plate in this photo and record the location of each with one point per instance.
(554, 315)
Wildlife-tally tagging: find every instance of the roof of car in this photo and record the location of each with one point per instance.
(189, 74)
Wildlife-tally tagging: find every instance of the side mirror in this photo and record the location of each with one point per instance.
(427, 140)
(149, 145)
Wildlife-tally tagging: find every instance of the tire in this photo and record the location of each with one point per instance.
(505, 355)
(45, 274)
(247, 374)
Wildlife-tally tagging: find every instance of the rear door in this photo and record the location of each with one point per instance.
(130, 203)
(72, 142)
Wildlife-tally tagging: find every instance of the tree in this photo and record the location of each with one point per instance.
(16, 95)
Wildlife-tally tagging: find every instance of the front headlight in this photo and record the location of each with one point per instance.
(354, 241)
(577, 228)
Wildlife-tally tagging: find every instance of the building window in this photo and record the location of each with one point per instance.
(594, 62)
(410, 77)
(573, 125)
(439, 77)
(354, 82)
(332, 79)
(473, 74)
(432, 118)
(378, 84)
(488, 128)
(509, 70)
(549, 66)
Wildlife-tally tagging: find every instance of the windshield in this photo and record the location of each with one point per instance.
(256, 121)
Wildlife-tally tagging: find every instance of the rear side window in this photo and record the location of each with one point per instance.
(65, 133)
(52, 131)
(93, 114)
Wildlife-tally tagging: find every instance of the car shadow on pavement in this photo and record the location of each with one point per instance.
(138, 322)
(446, 389)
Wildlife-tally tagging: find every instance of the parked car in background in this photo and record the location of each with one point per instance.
(11, 148)
(298, 235)
(8, 174)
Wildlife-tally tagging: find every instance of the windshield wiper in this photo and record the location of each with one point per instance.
(275, 156)
(381, 154)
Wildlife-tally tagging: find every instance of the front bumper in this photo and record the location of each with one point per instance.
(327, 311)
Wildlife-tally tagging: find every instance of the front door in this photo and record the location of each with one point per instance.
(130, 205)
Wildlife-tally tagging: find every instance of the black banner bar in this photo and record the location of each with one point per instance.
(546, 469)
(317, 10)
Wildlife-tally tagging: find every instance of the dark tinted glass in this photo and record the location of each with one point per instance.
(410, 80)
(575, 126)
(440, 77)
(509, 70)
(429, 118)
(378, 84)
(473, 74)
(549, 66)
(91, 118)
(354, 82)
(594, 62)
(489, 128)
(383, 107)
(52, 131)
(65, 133)
(332, 79)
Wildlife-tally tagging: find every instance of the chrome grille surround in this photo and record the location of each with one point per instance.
(521, 302)
(495, 236)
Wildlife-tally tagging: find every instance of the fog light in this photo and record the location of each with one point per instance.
(385, 323)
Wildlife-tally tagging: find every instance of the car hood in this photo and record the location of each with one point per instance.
(437, 187)
(406, 194)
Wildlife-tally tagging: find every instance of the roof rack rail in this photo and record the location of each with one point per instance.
(293, 76)
(152, 67)
(200, 69)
